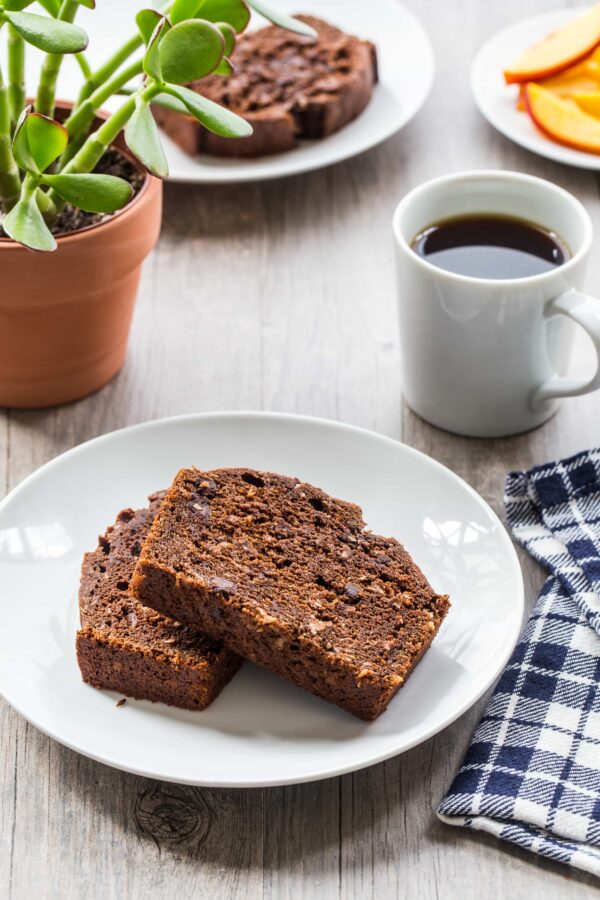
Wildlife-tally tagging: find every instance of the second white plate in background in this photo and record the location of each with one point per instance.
(497, 101)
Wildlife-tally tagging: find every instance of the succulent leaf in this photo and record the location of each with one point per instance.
(20, 145)
(16, 5)
(214, 117)
(146, 21)
(38, 141)
(190, 50)
(184, 9)
(228, 32)
(278, 18)
(51, 6)
(92, 193)
(224, 67)
(25, 224)
(235, 12)
(47, 139)
(49, 35)
(142, 138)
(151, 63)
(168, 101)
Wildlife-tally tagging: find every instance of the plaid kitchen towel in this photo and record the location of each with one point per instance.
(532, 771)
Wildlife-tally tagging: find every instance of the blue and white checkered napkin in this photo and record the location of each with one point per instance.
(532, 772)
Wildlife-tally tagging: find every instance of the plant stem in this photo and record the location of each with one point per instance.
(94, 83)
(16, 73)
(88, 157)
(45, 204)
(51, 6)
(30, 185)
(114, 62)
(81, 118)
(10, 182)
(44, 102)
(86, 69)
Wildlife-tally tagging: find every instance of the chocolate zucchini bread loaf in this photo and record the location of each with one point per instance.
(124, 647)
(290, 578)
(287, 86)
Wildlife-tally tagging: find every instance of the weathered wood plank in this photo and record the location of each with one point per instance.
(302, 841)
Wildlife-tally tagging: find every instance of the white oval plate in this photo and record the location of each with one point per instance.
(497, 100)
(405, 66)
(261, 730)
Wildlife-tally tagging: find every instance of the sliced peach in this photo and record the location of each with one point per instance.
(583, 77)
(559, 50)
(562, 120)
(589, 101)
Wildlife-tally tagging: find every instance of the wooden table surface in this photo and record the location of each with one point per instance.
(280, 296)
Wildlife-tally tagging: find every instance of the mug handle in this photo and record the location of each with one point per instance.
(585, 311)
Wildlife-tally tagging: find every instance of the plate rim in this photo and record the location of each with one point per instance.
(315, 774)
(546, 148)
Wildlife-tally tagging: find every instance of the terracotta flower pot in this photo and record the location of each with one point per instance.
(65, 316)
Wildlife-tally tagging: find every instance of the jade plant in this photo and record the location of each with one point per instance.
(45, 163)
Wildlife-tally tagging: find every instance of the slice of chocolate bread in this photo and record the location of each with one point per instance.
(124, 647)
(290, 578)
(287, 86)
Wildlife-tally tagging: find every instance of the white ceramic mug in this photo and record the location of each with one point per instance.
(485, 357)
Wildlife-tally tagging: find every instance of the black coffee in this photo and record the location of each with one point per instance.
(491, 246)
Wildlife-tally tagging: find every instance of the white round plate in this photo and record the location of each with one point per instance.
(497, 100)
(261, 730)
(405, 66)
